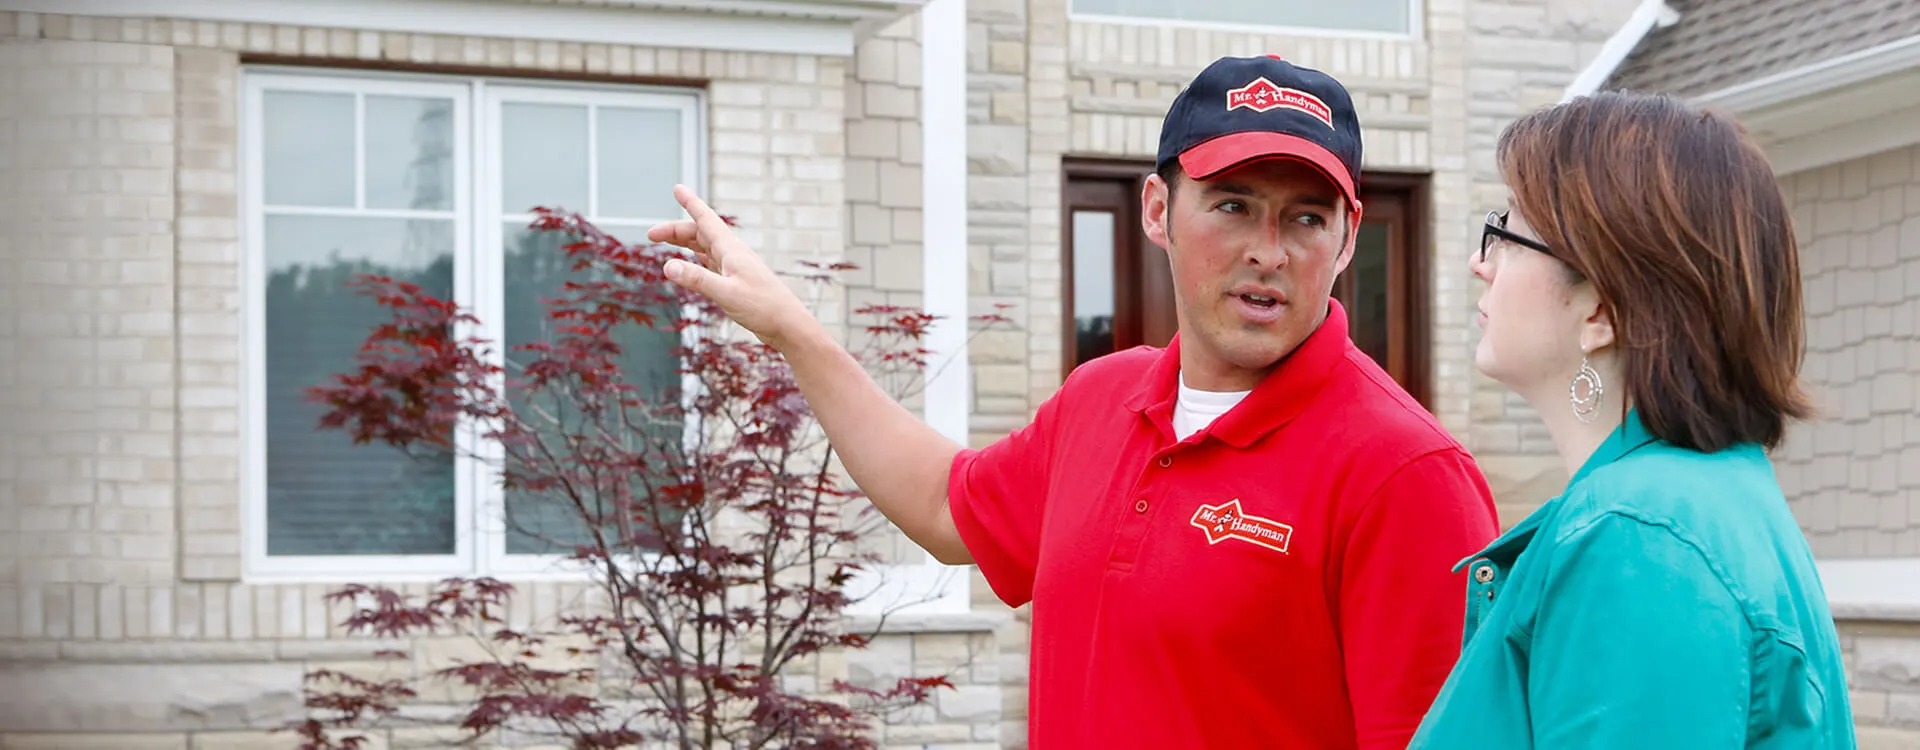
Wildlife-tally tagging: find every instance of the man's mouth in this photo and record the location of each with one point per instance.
(1259, 301)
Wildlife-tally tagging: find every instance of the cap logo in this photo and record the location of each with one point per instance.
(1261, 95)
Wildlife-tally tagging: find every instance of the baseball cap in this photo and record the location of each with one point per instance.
(1240, 109)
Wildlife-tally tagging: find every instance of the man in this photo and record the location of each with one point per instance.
(1243, 540)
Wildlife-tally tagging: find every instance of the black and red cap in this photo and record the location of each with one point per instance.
(1241, 109)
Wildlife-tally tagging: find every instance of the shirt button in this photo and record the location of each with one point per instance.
(1483, 574)
(1166, 461)
(1140, 506)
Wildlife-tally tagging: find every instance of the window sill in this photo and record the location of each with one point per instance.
(946, 622)
(1886, 589)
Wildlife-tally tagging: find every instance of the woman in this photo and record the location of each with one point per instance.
(1644, 296)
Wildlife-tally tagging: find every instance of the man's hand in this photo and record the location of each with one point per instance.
(899, 461)
(729, 272)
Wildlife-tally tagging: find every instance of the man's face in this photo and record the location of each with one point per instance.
(1254, 252)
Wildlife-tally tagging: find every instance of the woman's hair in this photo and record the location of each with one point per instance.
(1674, 215)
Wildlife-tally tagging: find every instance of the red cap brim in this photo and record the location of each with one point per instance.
(1228, 151)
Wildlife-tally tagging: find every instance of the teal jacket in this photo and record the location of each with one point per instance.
(1666, 600)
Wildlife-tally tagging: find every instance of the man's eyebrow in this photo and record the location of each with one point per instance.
(1233, 188)
(1317, 200)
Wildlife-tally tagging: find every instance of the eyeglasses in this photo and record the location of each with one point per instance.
(1496, 229)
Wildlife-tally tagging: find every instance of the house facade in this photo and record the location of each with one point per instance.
(186, 173)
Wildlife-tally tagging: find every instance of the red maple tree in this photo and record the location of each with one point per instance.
(705, 509)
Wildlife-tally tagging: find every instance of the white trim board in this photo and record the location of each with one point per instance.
(1649, 15)
(814, 27)
(1818, 78)
(1853, 140)
(1831, 111)
(1872, 589)
(1416, 26)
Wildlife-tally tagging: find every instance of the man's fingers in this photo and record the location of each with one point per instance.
(683, 233)
(693, 278)
(703, 216)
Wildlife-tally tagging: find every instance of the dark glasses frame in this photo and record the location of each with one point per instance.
(1496, 228)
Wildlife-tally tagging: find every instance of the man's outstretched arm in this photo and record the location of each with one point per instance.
(900, 462)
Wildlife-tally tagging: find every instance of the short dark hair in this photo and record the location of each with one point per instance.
(1675, 216)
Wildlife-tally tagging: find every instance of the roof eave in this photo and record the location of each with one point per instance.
(808, 27)
(1839, 109)
(1823, 77)
(1649, 15)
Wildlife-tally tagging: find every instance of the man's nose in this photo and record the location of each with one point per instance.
(1270, 252)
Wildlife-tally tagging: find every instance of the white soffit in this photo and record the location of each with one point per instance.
(1835, 110)
(811, 27)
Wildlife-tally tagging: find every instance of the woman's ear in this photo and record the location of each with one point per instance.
(1596, 325)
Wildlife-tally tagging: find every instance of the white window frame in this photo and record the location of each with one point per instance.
(1416, 25)
(480, 534)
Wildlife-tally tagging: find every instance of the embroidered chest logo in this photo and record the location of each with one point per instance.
(1228, 521)
(1262, 95)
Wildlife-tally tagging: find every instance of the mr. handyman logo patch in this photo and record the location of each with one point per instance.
(1223, 522)
(1262, 95)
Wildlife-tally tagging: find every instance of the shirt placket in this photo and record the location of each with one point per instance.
(1138, 510)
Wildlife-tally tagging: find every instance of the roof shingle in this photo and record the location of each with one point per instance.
(1720, 43)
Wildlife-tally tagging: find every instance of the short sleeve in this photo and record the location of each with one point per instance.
(1402, 607)
(997, 495)
(1637, 643)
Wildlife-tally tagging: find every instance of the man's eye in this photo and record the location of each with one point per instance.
(1312, 220)
(1231, 207)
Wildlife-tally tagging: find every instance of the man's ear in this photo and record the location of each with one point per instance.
(1352, 236)
(1155, 199)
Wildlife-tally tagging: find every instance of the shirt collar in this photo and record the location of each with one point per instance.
(1630, 436)
(1276, 400)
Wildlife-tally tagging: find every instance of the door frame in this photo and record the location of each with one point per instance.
(1411, 334)
(1412, 320)
(1127, 288)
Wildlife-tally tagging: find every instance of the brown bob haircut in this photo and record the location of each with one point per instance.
(1674, 215)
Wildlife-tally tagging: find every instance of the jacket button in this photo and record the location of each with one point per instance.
(1483, 574)
(1140, 506)
(1166, 461)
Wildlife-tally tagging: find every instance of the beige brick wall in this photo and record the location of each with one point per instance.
(88, 456)
(776, 162)
(120, 480)
(883, 204)
(1853, 474)
(1124, 76)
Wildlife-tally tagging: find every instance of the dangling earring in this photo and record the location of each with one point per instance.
(1585, 405)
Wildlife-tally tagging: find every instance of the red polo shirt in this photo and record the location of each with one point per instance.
(1282, 578)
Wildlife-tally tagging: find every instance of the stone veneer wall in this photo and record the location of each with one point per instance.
(1852, 475)
(120, 592)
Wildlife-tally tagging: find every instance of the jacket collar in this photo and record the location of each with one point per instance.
(1279, 397)
(1631, 435)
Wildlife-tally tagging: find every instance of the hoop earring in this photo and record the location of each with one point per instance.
(1585, 406)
